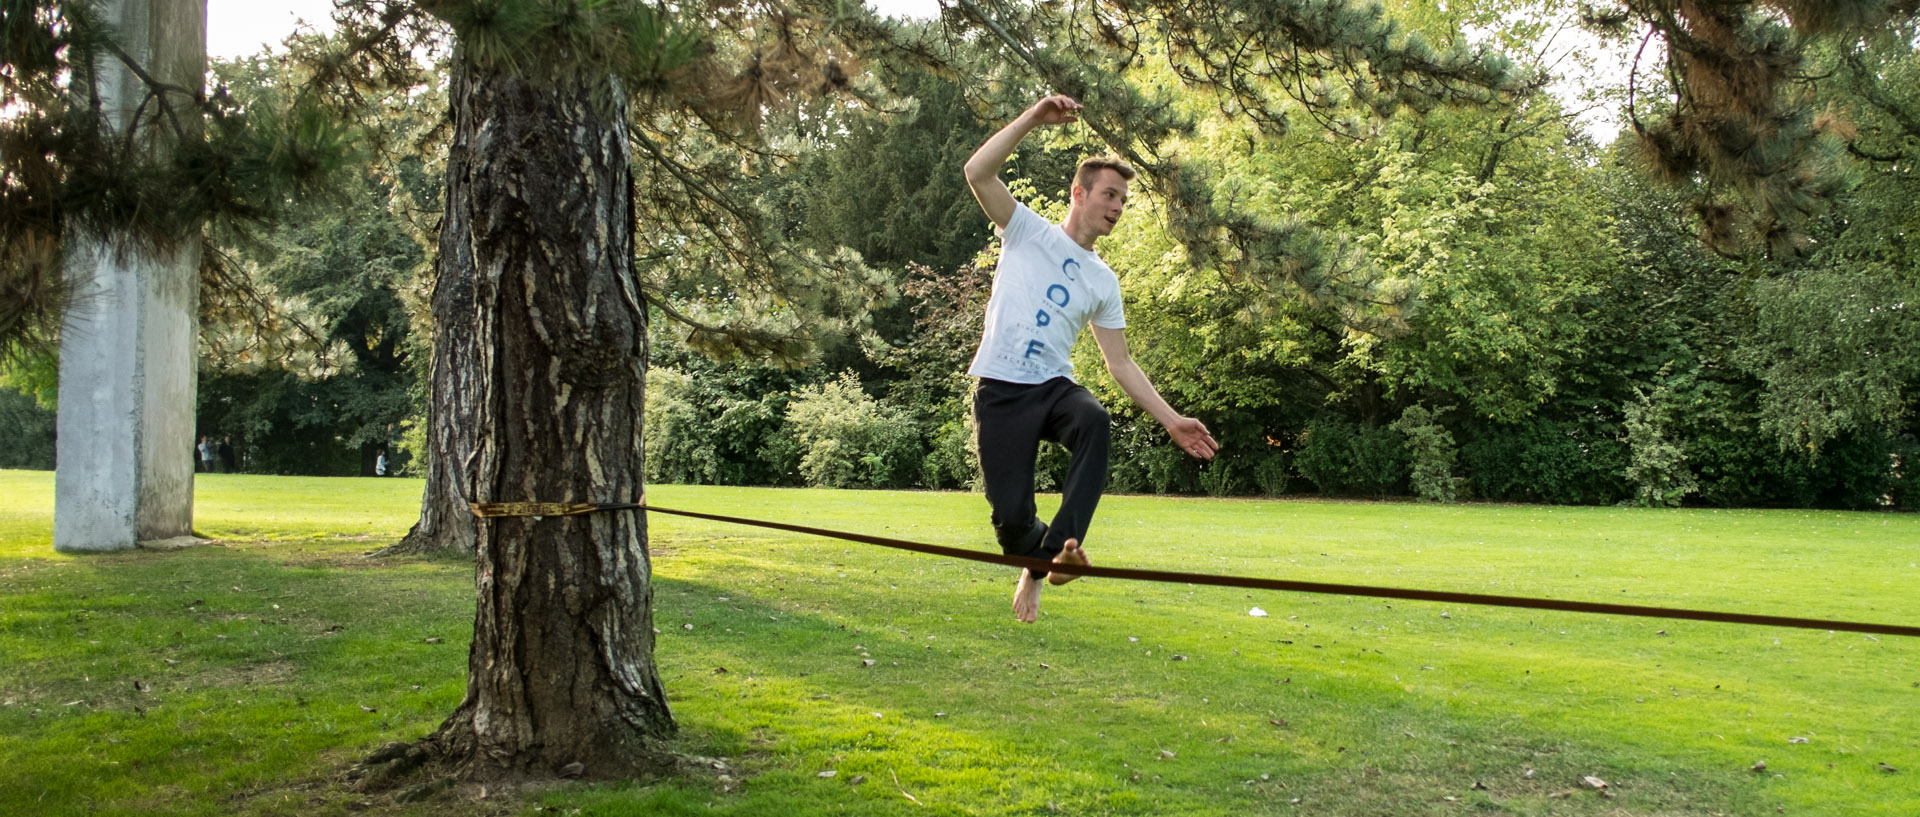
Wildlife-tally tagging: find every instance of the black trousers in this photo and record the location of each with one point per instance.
(1010, 420)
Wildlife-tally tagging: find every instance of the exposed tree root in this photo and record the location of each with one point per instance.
(420, 542)
(402, 773)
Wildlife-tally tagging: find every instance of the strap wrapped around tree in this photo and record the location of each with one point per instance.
(501, 510)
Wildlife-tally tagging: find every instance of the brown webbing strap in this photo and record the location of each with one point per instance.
(494, 510)
(497, 510)
(1317, 587)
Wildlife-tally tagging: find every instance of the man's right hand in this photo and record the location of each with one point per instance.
(983, 168)
(1058, 109)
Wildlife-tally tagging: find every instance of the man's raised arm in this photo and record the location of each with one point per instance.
(983, 168)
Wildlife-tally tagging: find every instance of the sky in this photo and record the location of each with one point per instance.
(237, 28)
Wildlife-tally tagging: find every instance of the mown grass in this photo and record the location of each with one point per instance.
(238, 679)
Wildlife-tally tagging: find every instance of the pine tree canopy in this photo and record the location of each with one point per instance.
(1730, 114)
(701, 82)
(1340, 66)
(184, 164)
(718, 92)
(722, 94)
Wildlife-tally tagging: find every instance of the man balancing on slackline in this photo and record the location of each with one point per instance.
(1048, 285)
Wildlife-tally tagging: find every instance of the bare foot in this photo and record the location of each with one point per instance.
(1026, 598)
(1072, 554)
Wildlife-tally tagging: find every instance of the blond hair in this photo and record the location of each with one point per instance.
(1092, 165)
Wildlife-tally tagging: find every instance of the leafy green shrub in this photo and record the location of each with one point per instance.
(1168, 471)
(1855, 471)
(410, 451)
(1124, 473)
(708, 428)
(1270, 472)
(781, 454)
(951, 459)
(1222, 477)
(1904, 490)
(678, 438)
(1380, 461)
(1249, 461)
(847, 439)
(1144, 459)
(1324, 452)
(1543, 460)
(953, 455)
(285, 423)
(1341, 457)
(28, 429)
(1656, 465)
(1431, 447)
(1748, 468)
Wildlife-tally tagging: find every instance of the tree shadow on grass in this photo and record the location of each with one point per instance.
(251, 675)
(1070, 713)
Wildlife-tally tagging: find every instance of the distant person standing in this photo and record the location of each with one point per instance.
(206, 454)
(380, 463)
(226, 454)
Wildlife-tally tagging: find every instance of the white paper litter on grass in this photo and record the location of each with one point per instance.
(1257, 613)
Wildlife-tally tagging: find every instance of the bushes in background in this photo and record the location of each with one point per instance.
(1342, 457)
(744, 428)
(1542, 460)
(1433, 453)
(26, 432)
(848, 440)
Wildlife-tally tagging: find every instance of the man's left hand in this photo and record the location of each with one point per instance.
(1192, 437)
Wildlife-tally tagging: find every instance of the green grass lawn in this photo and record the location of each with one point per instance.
(240, 679)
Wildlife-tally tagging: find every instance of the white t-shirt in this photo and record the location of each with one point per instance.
(1045, 290)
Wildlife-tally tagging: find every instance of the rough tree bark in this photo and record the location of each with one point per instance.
(561, 670)
(445, 526)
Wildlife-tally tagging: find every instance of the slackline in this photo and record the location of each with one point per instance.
(502, 509)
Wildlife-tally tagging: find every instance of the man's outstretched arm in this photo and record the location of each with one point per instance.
(983, 168)
(1188, 433)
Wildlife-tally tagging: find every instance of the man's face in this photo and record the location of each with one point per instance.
(1103, 200)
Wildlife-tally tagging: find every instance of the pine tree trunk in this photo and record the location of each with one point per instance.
(445, 525)
(561, 670)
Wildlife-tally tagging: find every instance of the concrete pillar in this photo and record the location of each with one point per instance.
(128, 346)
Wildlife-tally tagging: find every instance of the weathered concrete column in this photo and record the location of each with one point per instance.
(128, 350)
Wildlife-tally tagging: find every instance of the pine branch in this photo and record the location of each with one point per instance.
(1867, 86)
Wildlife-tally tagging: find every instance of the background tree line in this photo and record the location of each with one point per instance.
(1554, 329)
(1565, 334)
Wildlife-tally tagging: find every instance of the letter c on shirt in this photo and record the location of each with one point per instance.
(1068, 267)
